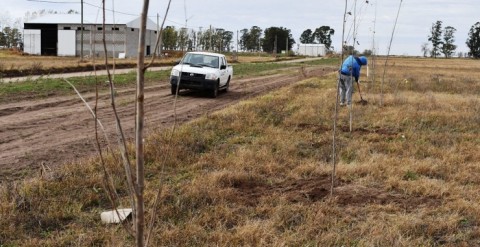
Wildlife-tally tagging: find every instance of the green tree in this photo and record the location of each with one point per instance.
(10, 37)
(3, 39)
(217, 39)
(250, 39)
(169, 38)
(436, 38)
(254, 38)
(307, 37)
(324, 35)
(206, 40)
(349, 50)
(473, 41)
(243, 39)
(227, 37)
(183, 38)
(448, 48)
(367, 52)
(280, 35)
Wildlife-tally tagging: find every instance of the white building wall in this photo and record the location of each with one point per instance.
(32, 41)
(132, 41)
(93, 44)
(312, 50)
(66, 43)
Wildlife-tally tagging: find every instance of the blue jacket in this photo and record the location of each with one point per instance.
(352, 66)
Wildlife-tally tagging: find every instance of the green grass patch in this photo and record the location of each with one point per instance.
(253, 69)
(45, 87)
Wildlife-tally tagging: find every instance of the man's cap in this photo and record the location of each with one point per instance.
(363, 60)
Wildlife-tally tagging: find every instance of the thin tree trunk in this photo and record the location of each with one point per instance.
(139, 129)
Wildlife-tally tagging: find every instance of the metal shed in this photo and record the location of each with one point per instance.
(312, 50)
(61, 35)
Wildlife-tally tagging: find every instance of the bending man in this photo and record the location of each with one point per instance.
(350, 70)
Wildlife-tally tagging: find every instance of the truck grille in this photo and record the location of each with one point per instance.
(192, 79)
(188, 76)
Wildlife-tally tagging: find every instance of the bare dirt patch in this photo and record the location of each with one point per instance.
(318, 189)
(53, 131)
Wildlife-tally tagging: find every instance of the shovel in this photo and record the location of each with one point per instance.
(362, 101)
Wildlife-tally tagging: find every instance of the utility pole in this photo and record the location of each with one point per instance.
(158, 31)
(81, 31)
(286, 48)
(200, 43)
(259, 46)
(275, 47)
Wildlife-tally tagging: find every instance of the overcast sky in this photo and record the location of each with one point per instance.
(414, 23)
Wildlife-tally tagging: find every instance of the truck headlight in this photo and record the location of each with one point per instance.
(175, 72)
(211, 76)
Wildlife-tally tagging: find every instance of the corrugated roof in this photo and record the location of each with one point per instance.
(129, 21)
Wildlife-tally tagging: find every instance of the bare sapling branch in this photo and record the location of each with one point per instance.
(94, 115)
(120, 133)
(151, 224)
(108, 183)
(335, 118)
(388, 53)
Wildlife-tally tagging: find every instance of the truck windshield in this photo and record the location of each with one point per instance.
(200, 60)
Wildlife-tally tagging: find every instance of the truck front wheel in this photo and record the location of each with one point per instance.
(227, 85)
(173, 89)
(214, 92)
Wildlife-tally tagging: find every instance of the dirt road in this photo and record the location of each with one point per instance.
(53, 131)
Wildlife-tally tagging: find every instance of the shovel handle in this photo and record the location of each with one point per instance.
(360, 92)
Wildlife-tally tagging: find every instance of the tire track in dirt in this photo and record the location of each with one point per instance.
(58, 130)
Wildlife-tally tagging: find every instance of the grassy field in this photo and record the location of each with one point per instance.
(258, 173)
(48, 87)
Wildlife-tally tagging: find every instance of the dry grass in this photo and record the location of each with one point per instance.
(258, 173)
(24, 62)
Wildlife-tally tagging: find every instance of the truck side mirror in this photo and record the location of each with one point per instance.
(177, 62)
(223, 67)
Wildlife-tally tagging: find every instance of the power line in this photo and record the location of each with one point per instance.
(45, 1)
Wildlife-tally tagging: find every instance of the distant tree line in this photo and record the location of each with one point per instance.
(212, 39)
(273, 39)
(443, 39)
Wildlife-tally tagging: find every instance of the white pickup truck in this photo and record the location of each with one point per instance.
(201, 71)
